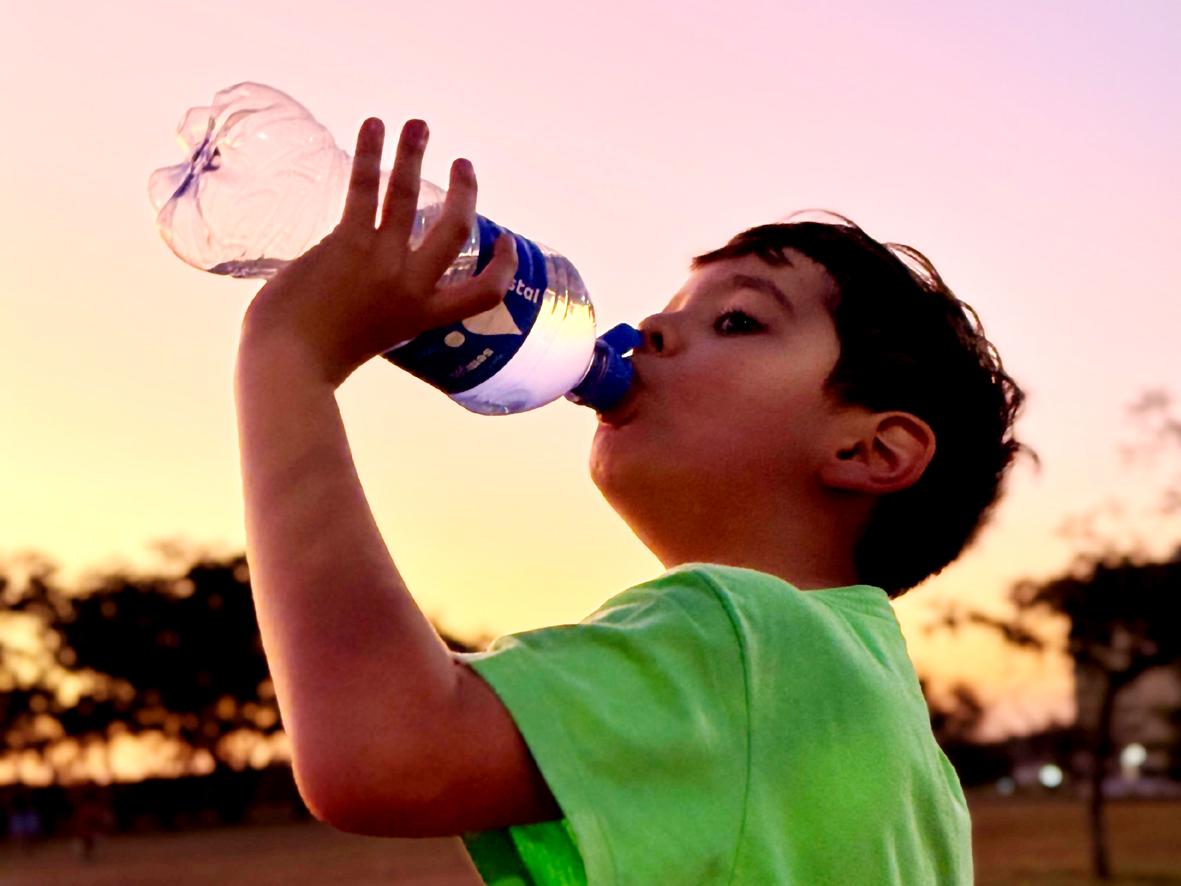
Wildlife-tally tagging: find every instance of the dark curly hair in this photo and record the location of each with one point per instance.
(908, 344)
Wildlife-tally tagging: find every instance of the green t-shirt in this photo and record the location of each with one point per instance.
(719, 725)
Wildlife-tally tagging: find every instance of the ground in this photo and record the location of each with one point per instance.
(1045, 842)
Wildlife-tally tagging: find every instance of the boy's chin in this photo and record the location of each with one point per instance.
(610, 465)
(621, 470)
(608, 444)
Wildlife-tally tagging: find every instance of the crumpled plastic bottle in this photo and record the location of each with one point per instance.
(264, 181)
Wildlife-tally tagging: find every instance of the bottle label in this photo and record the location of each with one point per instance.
(458, 357)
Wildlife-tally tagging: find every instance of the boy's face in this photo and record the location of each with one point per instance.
(727, 414)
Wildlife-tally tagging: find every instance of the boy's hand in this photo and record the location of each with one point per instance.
(362, 289)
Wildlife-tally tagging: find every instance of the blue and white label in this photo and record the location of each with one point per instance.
(460, 356)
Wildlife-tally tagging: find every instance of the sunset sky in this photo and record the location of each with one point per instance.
(1028, 149)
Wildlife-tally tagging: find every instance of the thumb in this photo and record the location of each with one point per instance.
(484, 291)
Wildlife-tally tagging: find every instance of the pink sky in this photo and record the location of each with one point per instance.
(1028, 150)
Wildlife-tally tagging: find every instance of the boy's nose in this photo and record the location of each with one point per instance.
(656, 334)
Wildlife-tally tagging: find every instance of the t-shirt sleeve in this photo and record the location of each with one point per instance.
(638, 720)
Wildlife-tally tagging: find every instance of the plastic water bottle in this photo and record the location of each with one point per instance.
(264, 182)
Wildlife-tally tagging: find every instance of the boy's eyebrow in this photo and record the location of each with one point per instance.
(761, 284)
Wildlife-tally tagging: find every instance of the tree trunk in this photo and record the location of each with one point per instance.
(1100, 755)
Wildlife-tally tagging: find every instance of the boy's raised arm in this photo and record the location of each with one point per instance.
(384, 724)
(348, 648)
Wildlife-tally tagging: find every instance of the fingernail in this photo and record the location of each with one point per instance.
(418, 132)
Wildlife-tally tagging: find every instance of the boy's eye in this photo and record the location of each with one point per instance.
(735, 322)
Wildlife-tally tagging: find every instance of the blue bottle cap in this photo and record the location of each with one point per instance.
(610, 373)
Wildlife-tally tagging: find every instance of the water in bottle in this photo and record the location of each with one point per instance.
(264, 182)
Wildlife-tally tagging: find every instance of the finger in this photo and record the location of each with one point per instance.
(401, 199)
(453, 227)
(481, 293)
(360, 205)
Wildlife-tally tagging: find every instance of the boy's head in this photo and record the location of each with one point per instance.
(811, 405)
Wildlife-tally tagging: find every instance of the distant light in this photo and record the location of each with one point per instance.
(1133, 756)
(1050, 775)
(1005, 786)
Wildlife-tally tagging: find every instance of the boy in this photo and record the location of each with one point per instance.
(814, 429)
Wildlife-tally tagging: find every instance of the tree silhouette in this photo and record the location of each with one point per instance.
(29, 677)
(179, 654)
(1122, 618)
(957, 722)
(1122, 613)
(1122, 625)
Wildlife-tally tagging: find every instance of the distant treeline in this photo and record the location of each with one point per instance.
(178, 655)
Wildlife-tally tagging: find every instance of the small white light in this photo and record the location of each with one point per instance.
(1050, 775)
(1133, 756)
(1005, 786)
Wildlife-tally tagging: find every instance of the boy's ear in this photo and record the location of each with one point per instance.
(889, 452)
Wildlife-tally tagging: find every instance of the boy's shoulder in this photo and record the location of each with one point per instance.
(717, 604)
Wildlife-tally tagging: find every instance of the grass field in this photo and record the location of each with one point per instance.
(1045, 842)
(1016, 842)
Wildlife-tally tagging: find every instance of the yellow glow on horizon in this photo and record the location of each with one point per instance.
(128, 757)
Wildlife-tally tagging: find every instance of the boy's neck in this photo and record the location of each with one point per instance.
(808, 553)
